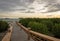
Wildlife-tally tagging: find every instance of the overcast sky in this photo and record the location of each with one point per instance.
(29, 6)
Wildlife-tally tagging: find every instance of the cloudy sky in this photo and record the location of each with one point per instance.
(29, 6)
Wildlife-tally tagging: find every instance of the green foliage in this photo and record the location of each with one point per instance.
(39, 27)
(55, 20)
(56, 30)
(49, 26)
(3, 26)
(24, 22)
(48, 23)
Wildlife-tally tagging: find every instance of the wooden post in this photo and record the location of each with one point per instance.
(29, 33)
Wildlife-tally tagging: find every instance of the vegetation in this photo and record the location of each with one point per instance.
(3, 26)
(56, 30)
(49, 26)
(39, 27)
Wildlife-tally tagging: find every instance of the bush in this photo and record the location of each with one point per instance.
(3, 26)
(56, 30)
(50, 26)
(39, 27)
(48, 23)
(24, 22)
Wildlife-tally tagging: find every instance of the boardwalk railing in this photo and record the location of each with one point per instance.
(7, 37)
(37, 36)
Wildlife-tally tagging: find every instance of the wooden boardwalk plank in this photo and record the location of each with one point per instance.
(18, 34)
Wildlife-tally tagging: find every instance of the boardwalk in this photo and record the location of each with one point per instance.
(18, 34)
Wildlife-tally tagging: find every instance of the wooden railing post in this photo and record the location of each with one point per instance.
(29, 33)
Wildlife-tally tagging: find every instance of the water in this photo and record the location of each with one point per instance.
(9, 19)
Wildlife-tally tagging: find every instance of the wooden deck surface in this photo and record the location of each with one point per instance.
(18, 34)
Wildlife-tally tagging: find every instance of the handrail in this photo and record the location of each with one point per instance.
(37, 36)
(7, 37)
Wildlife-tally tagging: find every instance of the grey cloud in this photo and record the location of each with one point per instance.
(55, 7)
(22, 9)
(29, 11)
(53, 4)
(31, 8)
(8, 5)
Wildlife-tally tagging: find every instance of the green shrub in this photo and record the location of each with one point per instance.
(55, 20)
(50, 26)
(24, 22)
(3, 26)
(48, 23)
(39, 27)
(56, 30)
